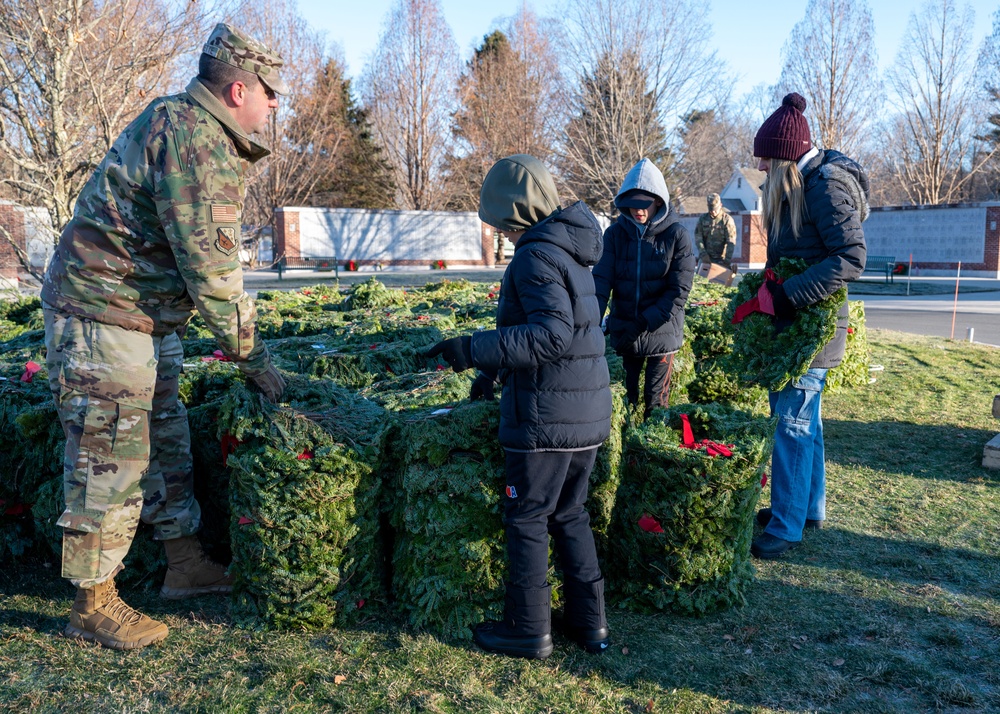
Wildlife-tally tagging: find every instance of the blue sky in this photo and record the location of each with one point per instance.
(747, 34)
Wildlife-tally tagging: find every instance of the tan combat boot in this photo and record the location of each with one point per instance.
(99, 614)
(190, 572)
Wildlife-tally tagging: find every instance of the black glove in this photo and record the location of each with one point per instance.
(783, 308)
(631, 333)
(457, 352)
(482, 388)
(270, 383)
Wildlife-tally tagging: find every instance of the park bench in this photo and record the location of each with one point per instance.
(322, 264)
(883, 264)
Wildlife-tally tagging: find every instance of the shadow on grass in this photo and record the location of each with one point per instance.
(944, 452)
(797, 646)
(846, 622)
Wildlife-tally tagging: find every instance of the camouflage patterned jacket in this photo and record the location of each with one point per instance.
(715, 238)
(155, 235)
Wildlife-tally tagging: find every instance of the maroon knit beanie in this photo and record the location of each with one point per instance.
(784, 134)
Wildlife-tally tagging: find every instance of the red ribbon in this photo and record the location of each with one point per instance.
(688, 433)
(762, 302)
(30, 370)
(244, 521)
(229, 444)
(305, 455)
(650, 524)
(712, 448)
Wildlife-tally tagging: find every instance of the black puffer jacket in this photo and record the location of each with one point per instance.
(831, 240)
(548, 350)
(651, 276)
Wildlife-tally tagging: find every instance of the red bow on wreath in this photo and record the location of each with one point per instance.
(762, 302)
(712, 448)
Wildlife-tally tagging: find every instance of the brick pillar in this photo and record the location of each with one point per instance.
(991, 243)
(754, 239)
(12, 221)
(286, 233)
(489, 251)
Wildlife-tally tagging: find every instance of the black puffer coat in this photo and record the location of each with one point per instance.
(651, 276)
(548, 349)
(831, 240)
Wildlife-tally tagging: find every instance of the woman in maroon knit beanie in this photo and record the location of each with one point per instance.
(813, 204)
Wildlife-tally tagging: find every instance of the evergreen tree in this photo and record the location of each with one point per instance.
(503, 94)
(362, 177)
(615, 123)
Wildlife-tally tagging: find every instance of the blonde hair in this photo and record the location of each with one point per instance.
(784, 181)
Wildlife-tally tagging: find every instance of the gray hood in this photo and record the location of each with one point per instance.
(644, 176)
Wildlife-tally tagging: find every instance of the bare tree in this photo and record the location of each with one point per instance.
(988, 84)
(615, 123)
(640, 65)
(935, 155)
(712, 146)
(407, 87)
(830, 59)
(72, 74)
(307, 134)
(507, 102)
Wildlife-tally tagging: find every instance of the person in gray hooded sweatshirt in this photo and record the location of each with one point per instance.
(646, 270)
(555, 408)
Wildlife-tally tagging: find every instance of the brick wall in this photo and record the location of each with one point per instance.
(286, 233)
(12, 220)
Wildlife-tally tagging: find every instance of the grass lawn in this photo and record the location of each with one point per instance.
(893, 607)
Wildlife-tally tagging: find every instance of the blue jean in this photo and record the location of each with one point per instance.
(798, 468)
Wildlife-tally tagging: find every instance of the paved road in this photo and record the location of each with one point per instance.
(932, 315)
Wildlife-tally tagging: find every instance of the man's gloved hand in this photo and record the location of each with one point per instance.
(270, 383)
(630, 335)
(457, 352)
(482, 388)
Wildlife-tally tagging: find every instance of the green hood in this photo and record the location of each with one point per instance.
(517, 193)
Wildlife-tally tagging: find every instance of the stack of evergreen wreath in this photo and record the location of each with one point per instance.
(449, 556)
(304, 492)
(353, 484)
(684, 516)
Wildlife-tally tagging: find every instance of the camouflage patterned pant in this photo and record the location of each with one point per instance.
(128, 448)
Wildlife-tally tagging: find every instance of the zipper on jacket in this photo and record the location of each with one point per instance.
(638, 269)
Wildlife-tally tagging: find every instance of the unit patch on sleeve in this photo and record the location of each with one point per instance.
(226, 239)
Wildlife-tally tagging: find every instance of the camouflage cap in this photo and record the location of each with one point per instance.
(231, 46)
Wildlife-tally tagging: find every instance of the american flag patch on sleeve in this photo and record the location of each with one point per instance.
(224, 213)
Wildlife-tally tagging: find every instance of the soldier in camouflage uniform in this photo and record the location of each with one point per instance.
(715, 235)
(154, 239)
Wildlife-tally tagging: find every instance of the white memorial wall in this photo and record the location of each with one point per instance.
(932, 234)
(385, 236)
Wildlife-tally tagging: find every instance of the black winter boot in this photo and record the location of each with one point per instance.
(525, 629)
(583, 618)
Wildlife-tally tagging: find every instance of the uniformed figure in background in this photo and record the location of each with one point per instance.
(715, 235)
(154, 239)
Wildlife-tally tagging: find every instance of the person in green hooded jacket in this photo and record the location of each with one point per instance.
(555, 408)
(154, 240)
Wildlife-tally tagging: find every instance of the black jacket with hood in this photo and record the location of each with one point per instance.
(831, 240)
(646, 269)
(547, 349)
